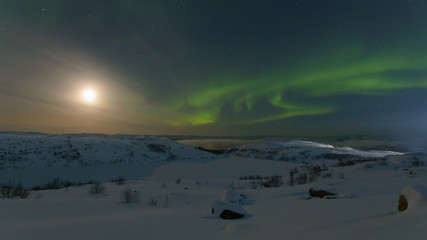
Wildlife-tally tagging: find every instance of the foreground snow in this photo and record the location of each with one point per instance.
(183, 209)
(177, 198)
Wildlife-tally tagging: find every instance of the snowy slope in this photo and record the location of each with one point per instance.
(298, 151)
(177, 196)
(183, 210)
(35, 158)
(35, 150)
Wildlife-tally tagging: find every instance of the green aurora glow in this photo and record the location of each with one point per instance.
(373, 75)
(220, 67)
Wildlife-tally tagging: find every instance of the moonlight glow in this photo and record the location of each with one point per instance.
(291, 67)
(89, 95)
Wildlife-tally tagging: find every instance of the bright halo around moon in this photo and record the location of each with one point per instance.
(89, 95)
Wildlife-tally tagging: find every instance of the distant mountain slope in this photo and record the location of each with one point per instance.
(297, 151)
(37, 150)
(36, 158)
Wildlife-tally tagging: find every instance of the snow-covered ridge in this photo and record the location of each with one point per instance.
(37, 150)
(302, 150)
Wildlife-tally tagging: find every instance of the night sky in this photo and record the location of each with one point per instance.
(218, 67)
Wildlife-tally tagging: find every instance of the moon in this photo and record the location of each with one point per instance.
(89, 95)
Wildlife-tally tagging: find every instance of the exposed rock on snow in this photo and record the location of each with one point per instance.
(326, 192)
(227, 210)
(228, 214)
(321, 193)
(229, 206)
(412, 196)
(403, 203)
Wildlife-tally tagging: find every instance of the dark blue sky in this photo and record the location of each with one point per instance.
(214, 67)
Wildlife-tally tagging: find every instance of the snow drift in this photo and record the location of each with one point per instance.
(413, 196)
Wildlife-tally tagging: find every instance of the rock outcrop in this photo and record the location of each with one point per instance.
(321, 193)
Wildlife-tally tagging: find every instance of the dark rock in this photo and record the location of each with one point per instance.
(321, 194)
(403, 203)
(412, 196)
(227, 210)
(228, 214)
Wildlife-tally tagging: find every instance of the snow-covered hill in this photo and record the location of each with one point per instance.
(36, 150)
(176, 196)
(298, 151)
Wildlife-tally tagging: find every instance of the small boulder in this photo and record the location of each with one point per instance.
(403, 203)
(321, 193)
(227, 210)
(228, 214)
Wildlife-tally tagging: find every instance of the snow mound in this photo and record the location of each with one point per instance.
(416, 195)
(233, 197)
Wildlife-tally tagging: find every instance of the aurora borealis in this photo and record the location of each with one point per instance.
(370, 76)
(291, 67)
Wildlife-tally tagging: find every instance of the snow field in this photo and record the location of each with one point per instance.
(177, 194)
(274, 213)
